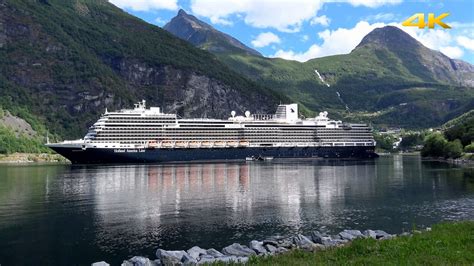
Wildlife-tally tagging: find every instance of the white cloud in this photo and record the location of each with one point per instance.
(466, 42)
(159, 21)
(265, 39)
(379, 17)
(371, 3)
(452, 51)
(304, 38)
(321, 20)
(285, 16)
(339, 41)
(146, 5)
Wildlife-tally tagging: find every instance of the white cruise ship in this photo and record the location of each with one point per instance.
(142, 135)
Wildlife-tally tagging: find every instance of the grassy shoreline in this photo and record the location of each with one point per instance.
(446, 244)
(21, 158)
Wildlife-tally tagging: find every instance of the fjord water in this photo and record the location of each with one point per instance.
(68, 215)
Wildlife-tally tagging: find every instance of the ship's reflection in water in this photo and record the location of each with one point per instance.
(112, 212)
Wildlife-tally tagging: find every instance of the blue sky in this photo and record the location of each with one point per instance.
(305, 29)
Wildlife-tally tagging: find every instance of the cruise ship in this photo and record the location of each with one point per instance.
(148, 135)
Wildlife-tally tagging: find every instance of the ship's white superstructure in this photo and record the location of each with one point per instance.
(151, 128)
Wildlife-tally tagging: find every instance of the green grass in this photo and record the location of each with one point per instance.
(446, 244)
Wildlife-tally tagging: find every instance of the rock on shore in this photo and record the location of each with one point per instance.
(238, 253)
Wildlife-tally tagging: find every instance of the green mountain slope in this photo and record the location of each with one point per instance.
(389, 79)
(65, 61)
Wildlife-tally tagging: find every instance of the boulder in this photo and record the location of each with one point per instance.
(239, 250)
(316, 237)
(100, 263)
(257, 246)
(303, 242)
(271, 248)
(171, 257)
(214, 253)
(330, 242)
(350, 234)
(206, 259)
(140, 261)
(382, 234)
(370, 234)
(188, 260)
(270, 242)
(287, 243)
(281, 250)
(196, 251)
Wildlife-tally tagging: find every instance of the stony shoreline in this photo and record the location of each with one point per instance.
(238, 253)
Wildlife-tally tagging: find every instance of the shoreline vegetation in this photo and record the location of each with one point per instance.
(22, 158)
(448, 243)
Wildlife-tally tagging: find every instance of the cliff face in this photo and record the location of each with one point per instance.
(66, 61)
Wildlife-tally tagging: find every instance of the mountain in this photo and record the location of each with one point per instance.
(389, 79)
(62, 62)
(427, 64)
(203, 35)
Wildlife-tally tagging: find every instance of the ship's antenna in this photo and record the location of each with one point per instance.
(47, 137)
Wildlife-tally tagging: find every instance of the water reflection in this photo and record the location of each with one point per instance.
(111, 212)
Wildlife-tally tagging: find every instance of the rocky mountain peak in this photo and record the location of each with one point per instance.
(203, 35)
(389, 37)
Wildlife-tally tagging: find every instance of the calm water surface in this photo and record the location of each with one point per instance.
(68, 215)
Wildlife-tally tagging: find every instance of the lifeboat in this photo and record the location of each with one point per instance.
(244, 143)
(181, 144)
(219, 143)
(152, 144)
(233, 143)
(194, 144)
(206, 144)
(167, 144)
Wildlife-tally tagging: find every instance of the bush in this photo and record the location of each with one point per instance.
(469, 148)
(434, 145)
(453, 149)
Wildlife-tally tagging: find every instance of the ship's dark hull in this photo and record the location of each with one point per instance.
(97, 155)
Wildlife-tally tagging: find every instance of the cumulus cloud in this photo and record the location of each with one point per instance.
(285, 16)
(339, 41)
(452, 51)
(146, 5)
(466, 42)
(321, 20)
(265, 39)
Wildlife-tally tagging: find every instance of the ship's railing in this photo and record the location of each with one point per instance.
(243, 143)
